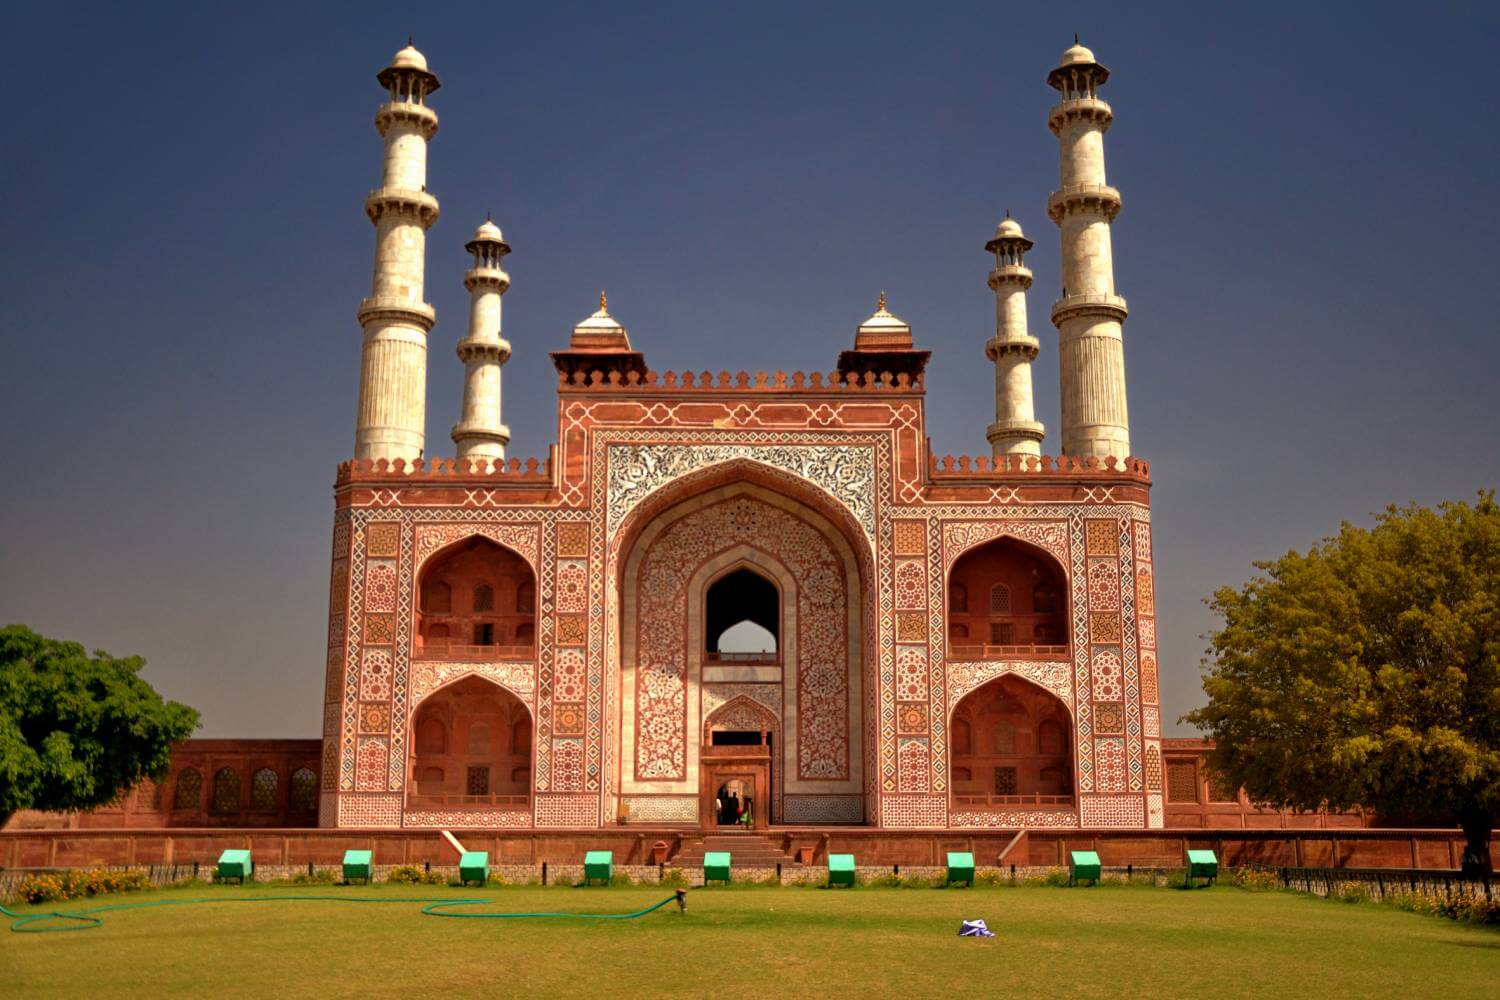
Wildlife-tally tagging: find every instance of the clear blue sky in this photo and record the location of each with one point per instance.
(1307, 246)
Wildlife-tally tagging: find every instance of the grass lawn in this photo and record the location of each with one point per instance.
(1110, 941)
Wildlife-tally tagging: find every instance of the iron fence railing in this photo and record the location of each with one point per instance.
(1439, 883)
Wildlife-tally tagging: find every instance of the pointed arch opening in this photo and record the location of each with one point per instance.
(471, 748)
(742, 618)
(1010, 748)
(475, 602)
(1021, 604)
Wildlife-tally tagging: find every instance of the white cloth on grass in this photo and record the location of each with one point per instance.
(974, 928)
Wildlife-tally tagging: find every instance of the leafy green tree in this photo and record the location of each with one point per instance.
(1367, 671)
(77, 731)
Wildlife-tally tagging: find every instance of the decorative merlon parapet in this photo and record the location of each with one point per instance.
(530, 471)
(966, 467)
(778, 382)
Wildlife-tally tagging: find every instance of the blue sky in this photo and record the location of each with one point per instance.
(1306, 245)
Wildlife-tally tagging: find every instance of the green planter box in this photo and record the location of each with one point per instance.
(1084, 865)
(598, 865)
(357, 864)
(715, 867)
(235, 864)
(1202, 864)
(960, 867)
(840, 869)
(474, 866)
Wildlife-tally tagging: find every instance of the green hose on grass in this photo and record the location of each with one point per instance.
(83, 920)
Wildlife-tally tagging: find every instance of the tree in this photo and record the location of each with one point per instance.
(76, 731)
(1367, 672)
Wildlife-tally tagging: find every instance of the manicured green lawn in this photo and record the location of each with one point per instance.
(1110, 941)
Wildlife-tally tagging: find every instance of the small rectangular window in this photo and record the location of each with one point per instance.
(479, 781)
(1002, 634)
(484, 635)
(1005, 781)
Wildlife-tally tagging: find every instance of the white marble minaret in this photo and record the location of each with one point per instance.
(396, 321)
(1089, 315)
(479, 434)
(1016, 430)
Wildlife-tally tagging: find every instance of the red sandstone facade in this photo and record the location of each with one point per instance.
(905, 586)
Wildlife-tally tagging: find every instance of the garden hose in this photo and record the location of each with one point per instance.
(83, 920)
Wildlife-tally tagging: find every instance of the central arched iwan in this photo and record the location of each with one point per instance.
(669, 673)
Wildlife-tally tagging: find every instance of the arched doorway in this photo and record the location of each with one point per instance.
(1007, 599)
(471, 749)
(1010, 749)
(476, 601)
(699, 576)
(738, 767)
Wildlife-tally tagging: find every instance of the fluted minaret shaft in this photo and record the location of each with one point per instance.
(393, 368)
(1089, 315)
(1016, 430)
(479, 434)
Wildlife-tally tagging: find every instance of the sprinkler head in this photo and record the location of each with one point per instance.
(682, 900)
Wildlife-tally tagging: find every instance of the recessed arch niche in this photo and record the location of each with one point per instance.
(475, 600)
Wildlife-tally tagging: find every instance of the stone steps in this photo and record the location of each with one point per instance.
(746, 850)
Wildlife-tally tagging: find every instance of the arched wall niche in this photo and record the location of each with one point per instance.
(1006, 597)
(475, 601)
(473, 747)
(1011, 748)
(656, 515)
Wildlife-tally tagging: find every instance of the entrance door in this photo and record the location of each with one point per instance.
(733, 786)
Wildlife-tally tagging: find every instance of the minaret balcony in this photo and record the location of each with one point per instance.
(407, 113)
(1104, 305)
(494, 433)
(1086, 109)
(402, 311)
(1072, 198)
(497, 351)
(1015, 427)
(1026, 346)
(402, 200)
(1010, 274)
(486, 277)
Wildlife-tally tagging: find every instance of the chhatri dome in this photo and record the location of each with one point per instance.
(1008, 228)
(410, 58)
(600, 321)
(883, 345)
(1077, 54)
(488, 231)
(882, 323)
(488, 234)
(410, 66)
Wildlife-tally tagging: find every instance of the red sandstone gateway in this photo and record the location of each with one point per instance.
(730, 602)
(560, 645)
